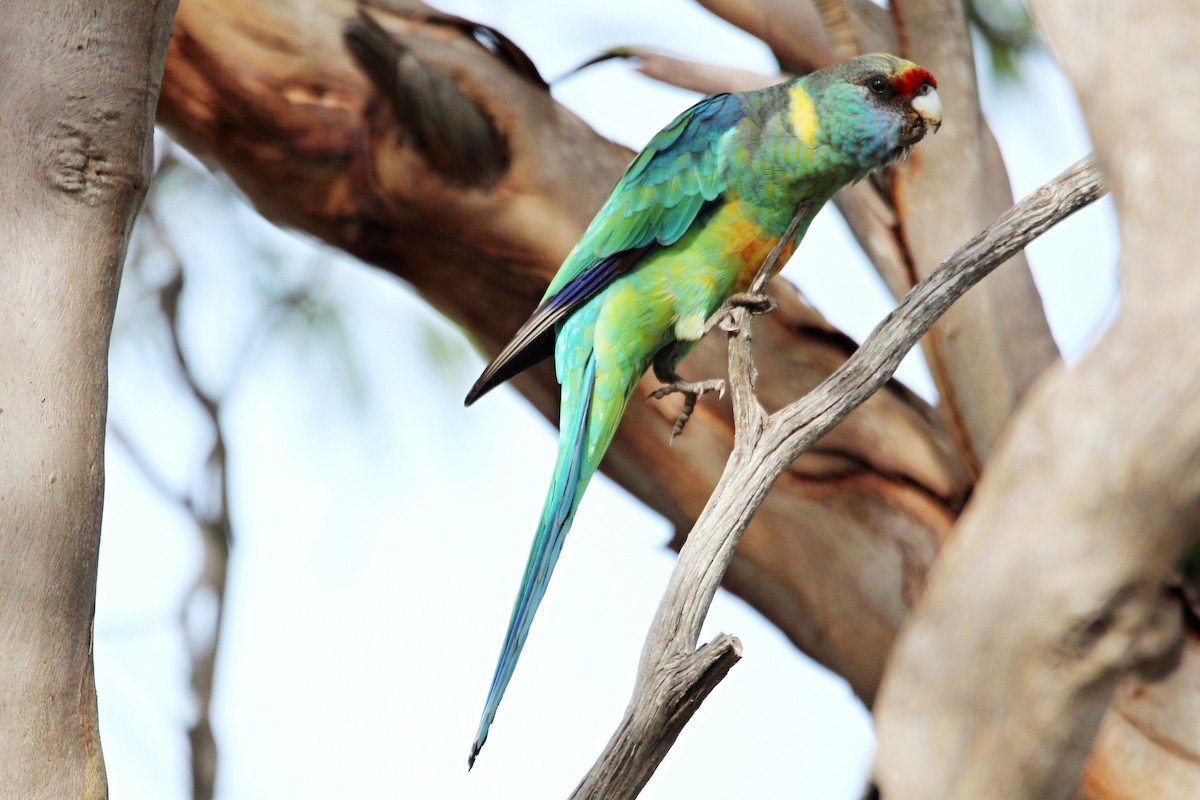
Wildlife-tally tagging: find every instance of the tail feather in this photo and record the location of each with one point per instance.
(570, 478)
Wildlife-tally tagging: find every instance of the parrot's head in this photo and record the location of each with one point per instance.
(872, 109)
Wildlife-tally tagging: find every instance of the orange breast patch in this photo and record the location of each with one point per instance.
(742, 243)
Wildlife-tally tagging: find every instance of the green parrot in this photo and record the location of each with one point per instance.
(687, 226)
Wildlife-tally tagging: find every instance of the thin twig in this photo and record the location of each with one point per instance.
(216, 532)
(749, 415)
(150, 473)
(770, 264)
(661, 703)
(209, 512)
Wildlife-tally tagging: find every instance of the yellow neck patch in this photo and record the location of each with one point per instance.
(803, 116)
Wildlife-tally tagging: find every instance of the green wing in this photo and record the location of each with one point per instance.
(657, 199)
(662, 191)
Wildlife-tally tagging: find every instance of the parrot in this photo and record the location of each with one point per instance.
(686, 227)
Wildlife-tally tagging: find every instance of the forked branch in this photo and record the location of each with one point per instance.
(761, 453)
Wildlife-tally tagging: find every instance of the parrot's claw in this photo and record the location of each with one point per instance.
(754, 303)
(691, 392)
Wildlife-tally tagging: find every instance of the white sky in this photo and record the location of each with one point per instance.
(381, 543)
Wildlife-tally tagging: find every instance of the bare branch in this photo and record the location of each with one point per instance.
(696, 76)
(881, 353)
(209, 513)
(151, 474)
(806, 36)
(678, 696)
(840, 27)
(758, 460)
(792, 30)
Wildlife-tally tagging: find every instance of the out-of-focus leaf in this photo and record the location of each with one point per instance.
(314, 325)
(1006, 29)
(448, 354)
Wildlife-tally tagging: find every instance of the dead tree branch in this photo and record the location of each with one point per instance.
(696, 76)
(662, 702)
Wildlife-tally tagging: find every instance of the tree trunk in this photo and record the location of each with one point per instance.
(78, 84)
(1056, 587)
(995, 341)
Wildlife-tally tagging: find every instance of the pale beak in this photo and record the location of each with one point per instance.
(928, 106)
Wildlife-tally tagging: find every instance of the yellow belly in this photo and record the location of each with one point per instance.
(675, 289)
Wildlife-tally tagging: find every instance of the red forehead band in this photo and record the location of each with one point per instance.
(907, 82)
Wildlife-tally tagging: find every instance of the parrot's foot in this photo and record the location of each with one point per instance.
(691, 392)
(754, 303)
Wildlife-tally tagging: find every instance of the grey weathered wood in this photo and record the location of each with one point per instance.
(764, 446)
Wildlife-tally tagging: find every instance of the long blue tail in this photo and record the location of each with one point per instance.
(566, 488)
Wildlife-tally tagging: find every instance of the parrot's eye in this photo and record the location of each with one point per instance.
(877, 85)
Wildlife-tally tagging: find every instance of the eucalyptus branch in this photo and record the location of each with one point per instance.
(663, 699)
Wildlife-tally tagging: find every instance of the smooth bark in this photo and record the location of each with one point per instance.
(1056, 587)
(78, 84)
(991, 346)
